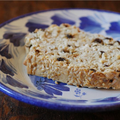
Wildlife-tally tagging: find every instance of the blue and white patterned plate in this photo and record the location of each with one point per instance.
(43, 92)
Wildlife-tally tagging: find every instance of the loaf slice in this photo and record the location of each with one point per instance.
(67, 54)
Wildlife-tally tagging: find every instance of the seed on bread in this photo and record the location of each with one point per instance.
(98, 40)
(60, 59)
(67, 54)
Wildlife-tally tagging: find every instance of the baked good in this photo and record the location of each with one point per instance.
(67, 54)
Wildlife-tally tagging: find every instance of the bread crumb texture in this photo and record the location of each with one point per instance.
(67, 54)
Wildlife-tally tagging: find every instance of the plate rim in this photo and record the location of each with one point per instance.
(57, 106)
(50, 105)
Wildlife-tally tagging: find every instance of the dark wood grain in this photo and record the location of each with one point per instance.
(11, 109)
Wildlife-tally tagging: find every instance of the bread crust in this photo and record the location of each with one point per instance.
(42, 63)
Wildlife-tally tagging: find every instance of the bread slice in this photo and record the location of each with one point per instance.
(67, 54)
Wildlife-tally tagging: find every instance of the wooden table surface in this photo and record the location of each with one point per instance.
(11, 109)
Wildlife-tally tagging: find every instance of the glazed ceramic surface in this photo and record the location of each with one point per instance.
(43, 92)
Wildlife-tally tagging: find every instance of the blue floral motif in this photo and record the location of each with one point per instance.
(89, 24)
(59, 19)
(39, 95)
(11, 81)
(4, 51)
(32, 26)
(78, 93)
(14, 38)
(17, 40)
(109, 99)
(114, 29)
(48, 85)
(7, 69)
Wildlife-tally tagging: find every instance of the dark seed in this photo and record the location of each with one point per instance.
(60, 59)
(102, 52)
(93, 70)
(106, 65)
(68, 45)
(110, 44)
(69, 36)
(37, 51)
(30, 46)
(108, 38)
(98, 40)
(111, 80)
(110, 88)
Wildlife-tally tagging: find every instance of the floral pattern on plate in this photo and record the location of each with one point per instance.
(41, 91)
(48, 85)
(114, 30)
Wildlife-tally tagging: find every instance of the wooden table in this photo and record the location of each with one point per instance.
(11, 109)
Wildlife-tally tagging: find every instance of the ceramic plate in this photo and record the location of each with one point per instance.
(43, 92)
